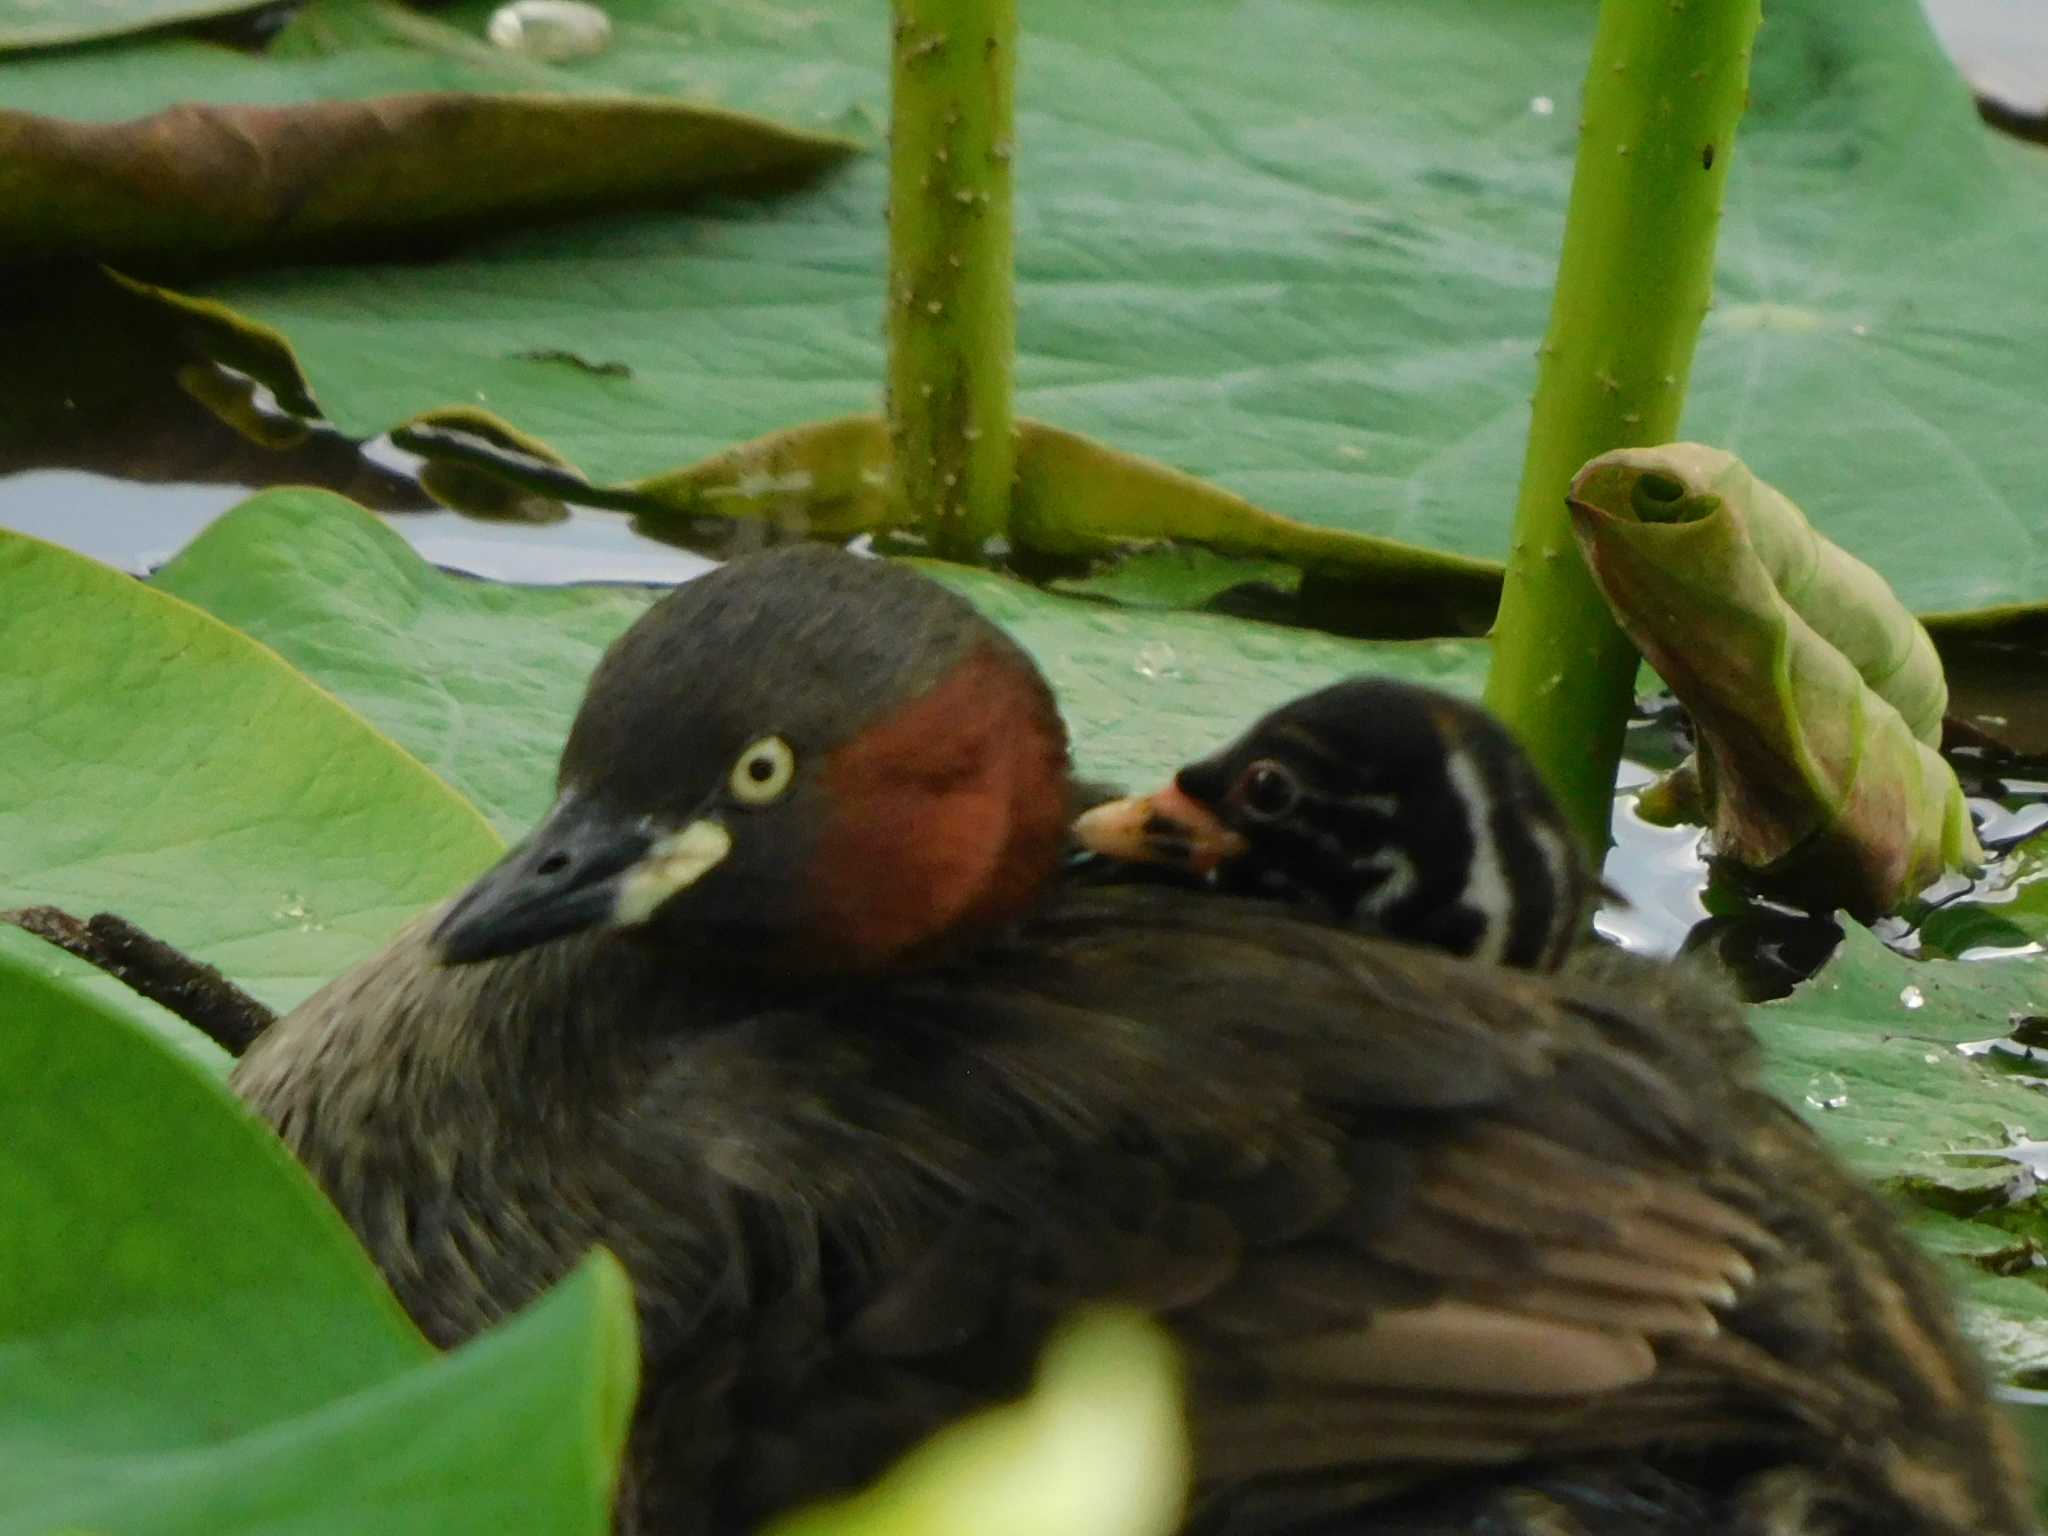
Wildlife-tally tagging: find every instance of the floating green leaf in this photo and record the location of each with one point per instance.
(1071, 497)
(475, 679)
(2003, 915)
(480, 680)
(1867, 1050)
(823, 479)
(157, 763)
(192, 1341)
(1912, 1107)
(1075, 496)
(1818, 697)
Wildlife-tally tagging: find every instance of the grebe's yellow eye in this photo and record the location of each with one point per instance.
(763, 772)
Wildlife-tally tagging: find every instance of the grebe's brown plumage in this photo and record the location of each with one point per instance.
(1448, 1247)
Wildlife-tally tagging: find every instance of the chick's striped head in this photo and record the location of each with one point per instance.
(1389, 806)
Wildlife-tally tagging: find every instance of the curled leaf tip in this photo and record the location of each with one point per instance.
(1674, 484)
(1662, 499)
(1819, 698)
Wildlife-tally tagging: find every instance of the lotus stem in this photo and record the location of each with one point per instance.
(952, 304)
(1663, 95)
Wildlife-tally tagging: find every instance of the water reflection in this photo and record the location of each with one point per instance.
(138, 527)
(1658, 872)
(1673, 901)
(120, 439)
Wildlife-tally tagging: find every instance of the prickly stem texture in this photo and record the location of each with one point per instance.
(1663, 95)
(952, 308)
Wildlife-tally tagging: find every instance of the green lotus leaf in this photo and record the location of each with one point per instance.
(479, 681)
(156, 763)
(191, 1340)
(1077, 498)
(1262, 245)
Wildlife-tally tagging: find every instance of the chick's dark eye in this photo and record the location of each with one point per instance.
(1266, 790)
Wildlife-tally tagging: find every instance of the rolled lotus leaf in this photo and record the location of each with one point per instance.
(1818, 697)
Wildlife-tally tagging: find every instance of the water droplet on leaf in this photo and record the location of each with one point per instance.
(1826, 1090)
(1157, 660)
(550, 30)
(1912, 997)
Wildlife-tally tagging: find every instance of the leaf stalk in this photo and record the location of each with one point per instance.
(1664, 91)
(951, 303)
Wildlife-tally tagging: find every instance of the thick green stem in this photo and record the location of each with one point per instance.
(1663, 95)
(952, 308)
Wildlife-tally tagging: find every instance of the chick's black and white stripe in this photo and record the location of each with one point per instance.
(1525, 882)
(1413, 814)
